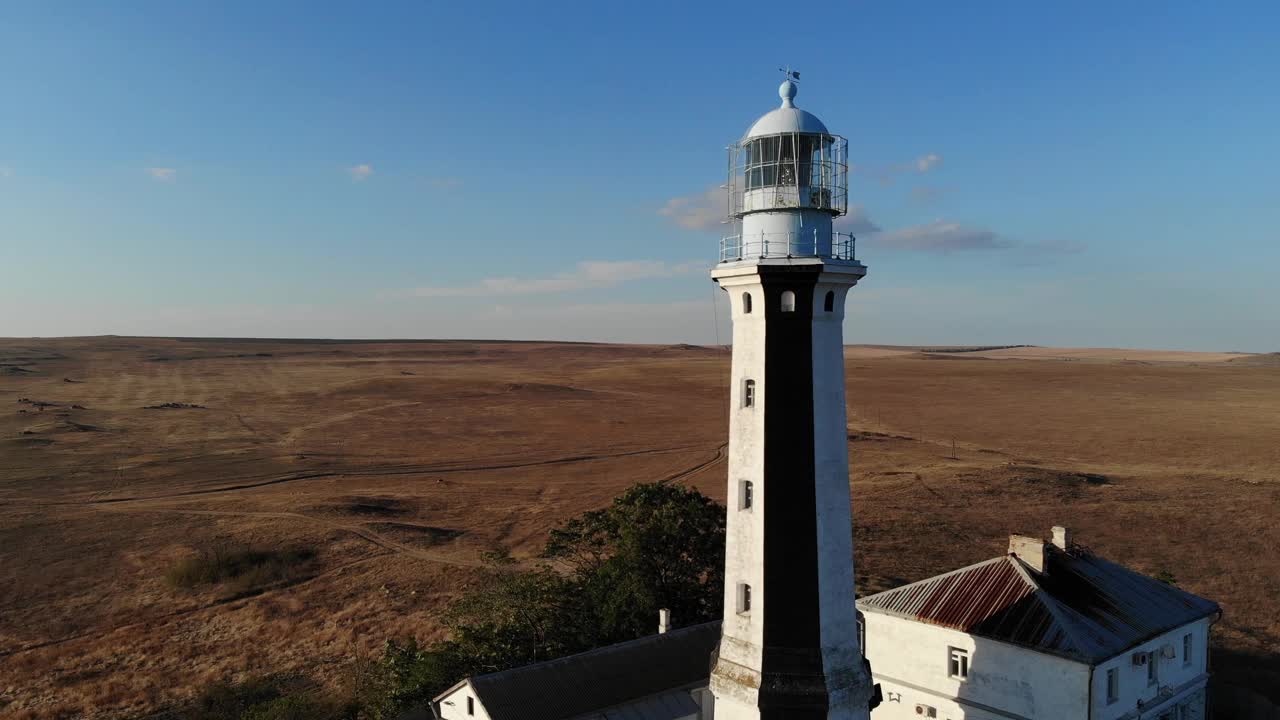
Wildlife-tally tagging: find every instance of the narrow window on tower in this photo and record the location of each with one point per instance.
(1113, 686)
(745, 496)
(1186, 650)
(830, 303)
(746, 302)
(749, 393)
(471, 706)
(788, 301)
(958, 663)
(744, 598)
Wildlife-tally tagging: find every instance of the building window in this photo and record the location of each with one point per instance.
(745, 495)
(1113, 685)
(788, 301)
(749, 393)
(744, 598)
(471, 706)
(958, 663)
(1152, 660)
(830, 303)
(1186, 650)
(746, 303)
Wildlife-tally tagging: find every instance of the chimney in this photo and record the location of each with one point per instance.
(1062, 536)
(664, 621)
(1029, 550)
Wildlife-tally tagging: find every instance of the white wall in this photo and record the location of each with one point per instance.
(910, 658)
(458, 709)
(742, 635)
(1172, 673)
(841, 656)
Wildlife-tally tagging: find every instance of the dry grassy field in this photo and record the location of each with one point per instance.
(396, 465)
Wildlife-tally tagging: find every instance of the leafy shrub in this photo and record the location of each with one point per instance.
(270, 697)
(243, 567)
(295, 707)
(225, 700)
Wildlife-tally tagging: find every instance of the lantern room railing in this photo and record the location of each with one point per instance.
(836, 246)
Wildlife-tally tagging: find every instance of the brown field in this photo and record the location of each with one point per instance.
(399, 463)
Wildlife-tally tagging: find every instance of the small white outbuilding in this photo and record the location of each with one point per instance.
(1049, 631)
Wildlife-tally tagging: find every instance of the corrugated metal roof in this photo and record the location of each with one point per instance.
(1083, 607)
(604, 678)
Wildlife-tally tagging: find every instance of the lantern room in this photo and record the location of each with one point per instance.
(788, 178)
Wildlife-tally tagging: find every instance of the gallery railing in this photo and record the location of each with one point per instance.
(837, 246)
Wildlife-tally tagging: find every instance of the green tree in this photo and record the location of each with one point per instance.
(657, 545)
(516, 617)
(408, 676)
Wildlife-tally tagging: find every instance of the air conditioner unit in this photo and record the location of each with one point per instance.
(926, 711)
(1141, 658)
(1168, 652)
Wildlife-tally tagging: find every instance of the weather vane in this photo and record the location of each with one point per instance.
(791, 74)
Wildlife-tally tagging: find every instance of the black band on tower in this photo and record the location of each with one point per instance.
(792, 683)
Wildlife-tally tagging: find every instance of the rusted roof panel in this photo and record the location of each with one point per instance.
(1084, 607)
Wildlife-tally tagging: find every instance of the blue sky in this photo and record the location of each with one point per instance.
(1096, 174)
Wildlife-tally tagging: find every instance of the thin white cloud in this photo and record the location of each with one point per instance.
(941, 237)
(925, 163)
(361, 172)
(887, 174)
(163, 174)
(926, 194)
(703, 211)
(589, 274)
(6, 171)
(856, 221)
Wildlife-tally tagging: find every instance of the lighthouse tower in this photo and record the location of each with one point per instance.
(789, 646)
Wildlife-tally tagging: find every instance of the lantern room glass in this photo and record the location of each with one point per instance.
(807, 170)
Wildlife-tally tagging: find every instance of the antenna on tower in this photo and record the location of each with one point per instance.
(791, 74)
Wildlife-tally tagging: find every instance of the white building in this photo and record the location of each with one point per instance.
(659, 677)
(1049, 631)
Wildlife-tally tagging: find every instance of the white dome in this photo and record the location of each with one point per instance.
(787, 118)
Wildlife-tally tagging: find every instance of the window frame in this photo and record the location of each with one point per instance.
(957, 663)
(748, 393)
(471, 706)
(746, 495)
(746, 303)
(1153, 673)
(744, 598)
(1187, 644)
(829, 302)
(1113, 686)
(788, 301)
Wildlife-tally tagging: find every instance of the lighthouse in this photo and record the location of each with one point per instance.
(789, 642)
